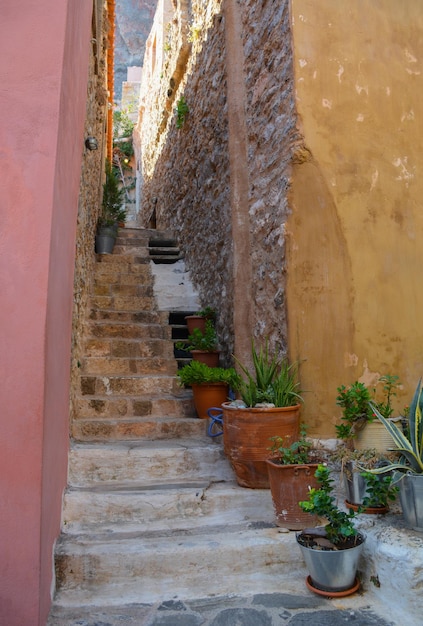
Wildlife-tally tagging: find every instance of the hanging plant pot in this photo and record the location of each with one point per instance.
(290, 484)
(246, 439)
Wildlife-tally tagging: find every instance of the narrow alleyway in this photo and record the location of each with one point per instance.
(155, 529)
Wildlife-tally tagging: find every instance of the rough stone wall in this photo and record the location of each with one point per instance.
(90, 191)
(186, 172)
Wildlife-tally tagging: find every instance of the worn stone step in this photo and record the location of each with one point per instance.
(126, 348)
(128, 385)
(91, 429)
(124, 273)
(125, 258)
(164, 507)
(163, 405)
(127, 330)
(147, 462)
(109, 366)
(142, 569)
(141, 317)
(136, 290)
(124, 303)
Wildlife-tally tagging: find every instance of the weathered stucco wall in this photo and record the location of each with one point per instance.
(355, 258)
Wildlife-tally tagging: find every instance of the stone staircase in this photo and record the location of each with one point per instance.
(152, 510)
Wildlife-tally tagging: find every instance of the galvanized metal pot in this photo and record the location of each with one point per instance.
(333, 570)
(411, 498)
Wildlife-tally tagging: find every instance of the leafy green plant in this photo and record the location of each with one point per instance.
(196, 373)
(275, 381)
(113, 195)
(380, 490)
(321, 502)
(390, 385)
(354, 400)
(182, 111)
(208, 312)
(286, 452)
(409, 447)
(122, 123)
(197, 340)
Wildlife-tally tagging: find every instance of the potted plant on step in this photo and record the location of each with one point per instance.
(198, 320)
(270, 403)
(359, 427)
(202, 346)
(408, 470)
(291, 471)
(366, 492)
(210, 385)
(111, 212)
(332, 552)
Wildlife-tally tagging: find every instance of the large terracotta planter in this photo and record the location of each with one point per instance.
(209, 395)
(246, 439)
(290, 484)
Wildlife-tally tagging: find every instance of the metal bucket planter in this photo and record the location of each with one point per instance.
(290, 484)
(333, 572)
(356, 490)
(411, 498)
(105, 240)
(246, 439)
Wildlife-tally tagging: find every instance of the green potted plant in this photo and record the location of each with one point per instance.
(269, 404)
(198, 320)
(210, 385)
(359, 428)
(366, 492)
(408, 470)
(203, 346)
(111, 212)
(332, 552)
(291, 469)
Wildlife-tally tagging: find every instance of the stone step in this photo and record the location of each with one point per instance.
(136, 290)
(124, 303)
(128, 385)
(147, 462)
(110, 366)
(125, 348)
(125, 273)
(140, 317)
(138, 568)
(127, 330)
(163, 405)
(105, 430)
(164, 507)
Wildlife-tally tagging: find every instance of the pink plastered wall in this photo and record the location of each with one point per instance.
(43, 84)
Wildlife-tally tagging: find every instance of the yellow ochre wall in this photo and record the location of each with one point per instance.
(355, 249)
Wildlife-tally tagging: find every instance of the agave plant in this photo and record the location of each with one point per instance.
(410, 448)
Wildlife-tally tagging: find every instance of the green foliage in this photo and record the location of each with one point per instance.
(208, 312)
(287, 453)
(321, 502)
(275, 381)
(354, 401)
(122, 123)
(182, 111)
(410, 445)
(113, 195)
(198, 373)
(206, 341)
(380, 490)
(390, 385)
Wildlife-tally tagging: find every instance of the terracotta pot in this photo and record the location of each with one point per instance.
(290, 484)
(195, 321)
(209, 395)
(246, 439)
(369, 510)
(209, 358)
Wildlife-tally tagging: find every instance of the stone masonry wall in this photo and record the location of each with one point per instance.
(186, 171)
(90, 191)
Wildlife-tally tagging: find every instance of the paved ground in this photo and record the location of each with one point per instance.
(275, 609)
